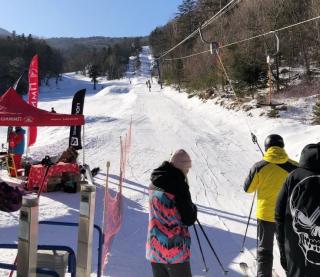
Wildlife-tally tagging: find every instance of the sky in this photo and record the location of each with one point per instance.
(84, 18)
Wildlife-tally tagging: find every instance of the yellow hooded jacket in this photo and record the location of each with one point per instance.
(267, 177)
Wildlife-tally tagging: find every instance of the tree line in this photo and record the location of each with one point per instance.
(245, 62)
(16, 52)
(110, 61)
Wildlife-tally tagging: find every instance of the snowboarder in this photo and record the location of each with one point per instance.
(267, 177)
(171, 212)
(298, 217)
(16, 147)
(53, 110)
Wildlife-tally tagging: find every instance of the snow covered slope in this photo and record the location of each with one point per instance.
(163, 120)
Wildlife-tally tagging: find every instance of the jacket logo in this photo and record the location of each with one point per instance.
(306, 223)
(74, 141)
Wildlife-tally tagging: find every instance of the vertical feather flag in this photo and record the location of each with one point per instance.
(77, 108)
(33, 95)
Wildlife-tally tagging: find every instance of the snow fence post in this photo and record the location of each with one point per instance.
(28, 237)
(85, 233)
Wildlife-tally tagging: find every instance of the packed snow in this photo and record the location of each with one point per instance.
(218, 141)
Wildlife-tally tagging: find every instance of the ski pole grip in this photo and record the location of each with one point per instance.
(254, 138)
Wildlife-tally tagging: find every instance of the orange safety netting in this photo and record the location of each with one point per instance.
(113, 204)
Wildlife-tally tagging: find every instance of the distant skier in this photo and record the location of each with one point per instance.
(171, 211)
(267, 177)
(298, 217)
(53, 110)
(149, 85)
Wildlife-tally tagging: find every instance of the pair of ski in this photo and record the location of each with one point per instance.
(246, 271)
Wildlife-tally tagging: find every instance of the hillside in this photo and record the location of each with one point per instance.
(4, 32)
(90, 42)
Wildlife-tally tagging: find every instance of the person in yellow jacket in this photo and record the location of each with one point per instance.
(266, 177)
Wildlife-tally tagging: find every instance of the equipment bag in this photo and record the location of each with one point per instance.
(10, 198)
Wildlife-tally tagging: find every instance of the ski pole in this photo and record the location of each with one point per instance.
(206, 269)
(255, 141)
(211, 247)
(245, 234)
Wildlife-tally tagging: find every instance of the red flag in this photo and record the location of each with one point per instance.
(33, 95)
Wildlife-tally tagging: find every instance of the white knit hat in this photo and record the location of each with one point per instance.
(181, 160)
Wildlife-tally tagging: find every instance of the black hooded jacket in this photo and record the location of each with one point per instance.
(169, 179)
(298, 217)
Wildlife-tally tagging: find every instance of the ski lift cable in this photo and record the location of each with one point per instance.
(253, 136)
(227, 7)
(189, 56)
(214, 49)
(272, 32)
(248, 39)
(205, 24)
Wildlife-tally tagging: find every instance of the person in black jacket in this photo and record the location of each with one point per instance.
(171, 212)
(298, 217)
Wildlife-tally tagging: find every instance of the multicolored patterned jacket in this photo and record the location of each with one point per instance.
(171, 211)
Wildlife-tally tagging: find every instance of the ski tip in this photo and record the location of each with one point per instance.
(206, 269)
(226, 272)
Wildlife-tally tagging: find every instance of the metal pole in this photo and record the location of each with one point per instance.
(211, 247)
(83, 143)
(270, 79)
(245, 234)
(85, 233)
(255, 141)
(206, 269)
(28, 237)
(105, 196)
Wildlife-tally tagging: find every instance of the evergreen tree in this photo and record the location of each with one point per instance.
(16, 53)
(316, 113)
(186, 17)
(94, 74)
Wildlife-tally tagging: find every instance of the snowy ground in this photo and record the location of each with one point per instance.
(218, 141)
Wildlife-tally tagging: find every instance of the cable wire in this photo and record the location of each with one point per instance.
(247, 39)
(189, 56)
(271, 32)
(205, 24)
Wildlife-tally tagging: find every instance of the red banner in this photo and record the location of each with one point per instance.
(33, 95)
